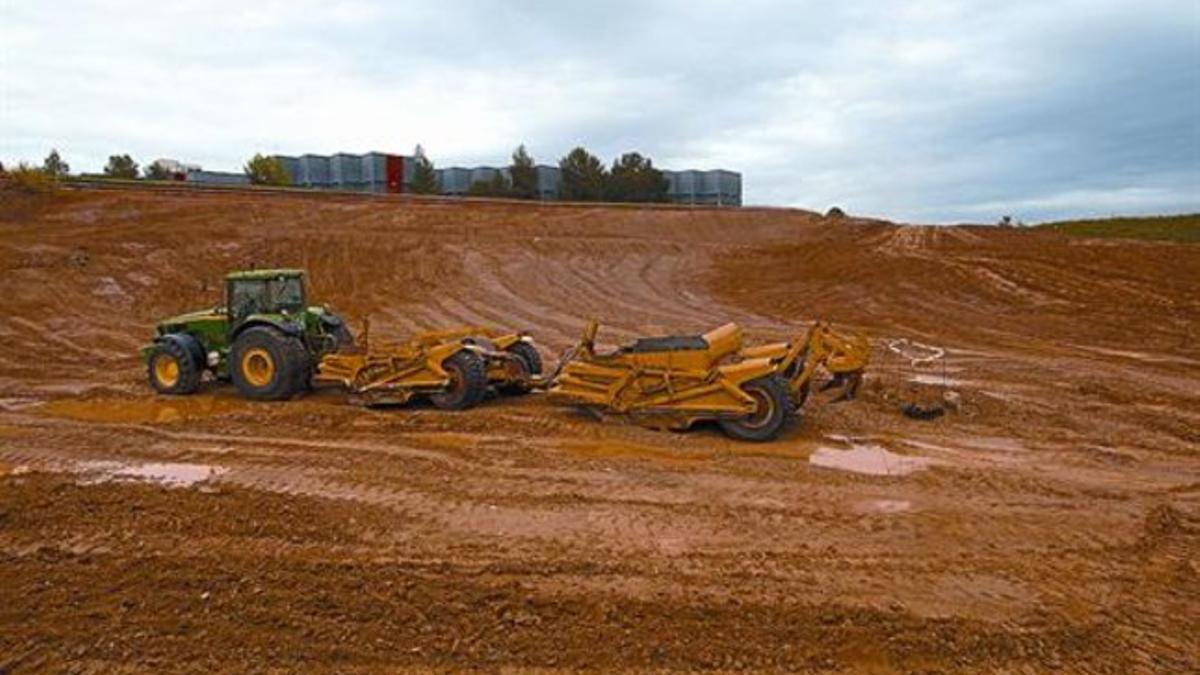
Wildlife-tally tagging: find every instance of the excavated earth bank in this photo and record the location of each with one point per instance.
(1049, 521)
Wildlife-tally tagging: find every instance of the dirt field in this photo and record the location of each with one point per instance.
(1051, 522)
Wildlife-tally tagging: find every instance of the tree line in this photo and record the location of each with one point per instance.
(118, 166)
(583, 176)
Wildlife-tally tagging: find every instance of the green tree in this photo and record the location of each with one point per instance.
(263, 170)
(156, 171)
(121, 166)
(523, 174)
(498, 186)
(583, 176)
(634, 179)
(424, 179)
(54, 166)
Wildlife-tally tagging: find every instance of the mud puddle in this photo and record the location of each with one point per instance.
(975, 451)
(935, 380)
(169, 474)
(884, 506)
(871, 460)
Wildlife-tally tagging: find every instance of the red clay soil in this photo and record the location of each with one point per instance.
(1050, 521)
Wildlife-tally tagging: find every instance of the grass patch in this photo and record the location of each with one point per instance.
(1184, 228)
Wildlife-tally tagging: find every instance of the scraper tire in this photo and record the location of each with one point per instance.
(468, 382)
(773, 411)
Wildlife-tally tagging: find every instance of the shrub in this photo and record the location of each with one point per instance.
(262, 170)
(32, 179)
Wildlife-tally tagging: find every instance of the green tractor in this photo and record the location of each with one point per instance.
(266, 339)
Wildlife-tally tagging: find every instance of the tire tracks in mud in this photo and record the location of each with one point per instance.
(564, 502)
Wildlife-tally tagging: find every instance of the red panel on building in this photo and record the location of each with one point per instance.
(395, 174)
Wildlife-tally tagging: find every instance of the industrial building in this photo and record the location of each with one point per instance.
(216, 177)
(712, 188)
(384, 173)
(371, 172)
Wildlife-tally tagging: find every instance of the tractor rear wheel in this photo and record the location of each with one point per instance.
(304, 366)
(772, 412)
(531, 363)
(172, 369)
(468, 381)
(267, 365)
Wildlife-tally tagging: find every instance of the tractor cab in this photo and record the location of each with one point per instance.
(257, 292)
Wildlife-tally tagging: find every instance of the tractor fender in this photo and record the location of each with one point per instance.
(746, 370)
(286, 327)
(189, 343)
(330, 320)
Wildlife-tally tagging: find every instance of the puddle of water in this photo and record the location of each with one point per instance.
(884, 506)
(170, 474)
(872, 460)
(974, 451)
(934, 380)
(996, 443)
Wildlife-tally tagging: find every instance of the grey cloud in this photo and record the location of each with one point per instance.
(931, 110)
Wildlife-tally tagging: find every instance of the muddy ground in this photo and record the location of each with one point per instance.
(1049, 522)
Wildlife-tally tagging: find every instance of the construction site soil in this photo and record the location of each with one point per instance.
(1049, 521)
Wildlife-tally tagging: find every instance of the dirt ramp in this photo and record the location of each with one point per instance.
(978, 285)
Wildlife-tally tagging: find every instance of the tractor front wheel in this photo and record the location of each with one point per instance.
(468, 381)
(172, 369)
(773, 409)
(267, 365)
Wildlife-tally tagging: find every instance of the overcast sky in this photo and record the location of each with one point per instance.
(931, 111)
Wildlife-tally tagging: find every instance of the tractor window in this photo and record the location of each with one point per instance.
(288, 294)
(246, 297)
